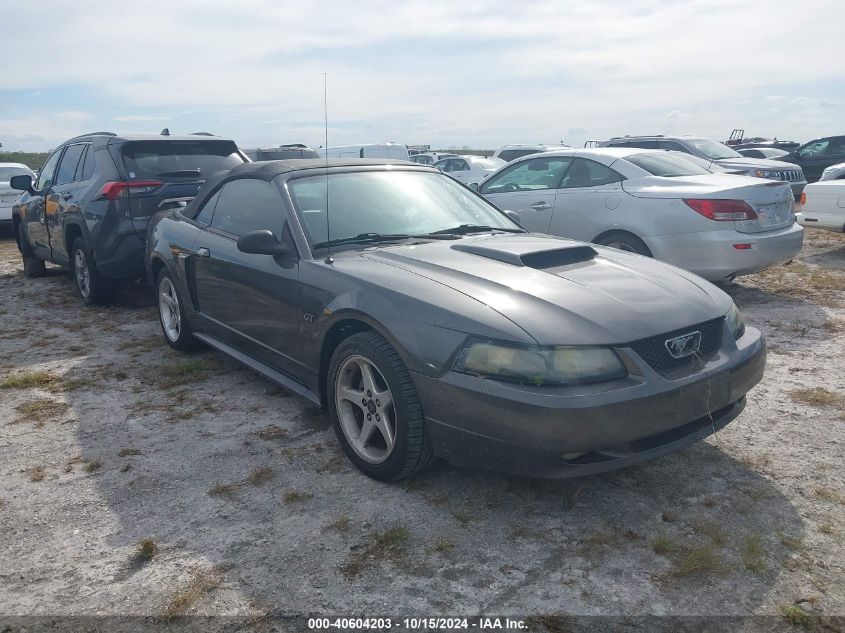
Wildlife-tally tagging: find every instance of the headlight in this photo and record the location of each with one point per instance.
(540, 365)
(735, 323)
(767, 173)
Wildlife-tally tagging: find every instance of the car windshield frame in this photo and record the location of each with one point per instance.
(651, 162)
(422, 220)
(714, 150)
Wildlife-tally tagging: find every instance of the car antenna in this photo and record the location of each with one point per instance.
(329, 259)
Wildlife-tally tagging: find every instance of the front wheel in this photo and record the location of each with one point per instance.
(375, 409)
(32, 266)
(171, 314)
(90, 285)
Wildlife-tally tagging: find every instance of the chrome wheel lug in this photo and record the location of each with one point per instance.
(369, 417)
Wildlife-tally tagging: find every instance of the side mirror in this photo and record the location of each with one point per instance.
(262, 242)
(513, 215)
(473, 186)
(22, 183)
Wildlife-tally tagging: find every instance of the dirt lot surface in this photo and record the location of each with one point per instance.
(135, 480)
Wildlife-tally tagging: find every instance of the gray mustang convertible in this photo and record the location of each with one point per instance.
(430, 324)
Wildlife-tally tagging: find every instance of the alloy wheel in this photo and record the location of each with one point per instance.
(82, 273)
(365, 409)
(168, 308)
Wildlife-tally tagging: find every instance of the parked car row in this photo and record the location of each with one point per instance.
(8, 195)
(427, 321)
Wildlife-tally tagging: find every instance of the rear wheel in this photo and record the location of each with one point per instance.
(32, 266)
(625, 242)
(375, 408)
(90, 285)
(171, 314)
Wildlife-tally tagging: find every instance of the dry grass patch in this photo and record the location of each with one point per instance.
(464, 519)
(222, 490)
(92, 465)
(791, 542)
(202, 582)
(146, 551)
(797, 616)
(126, 452)
(29, 380)
(272, 432)
(828, 494)
(182, 372)
(712, 530)
(670, 516)
(260, 476)
(697, 560)
(442, 546)
(827, 528)
(383, 546)
(294, 496)
(753, 554)
(341, 524)
(834, 326)
(37, 473)
(40, 411)
(663, 544)
(817, 397)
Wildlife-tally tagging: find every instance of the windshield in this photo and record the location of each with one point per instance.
(6, 173)
(147, 160)
(388, 203)
(714, 150)
(666, 165)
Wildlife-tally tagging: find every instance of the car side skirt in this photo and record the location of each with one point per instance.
(265, 370)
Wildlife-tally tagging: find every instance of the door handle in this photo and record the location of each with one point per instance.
(203, 252)
(540, 206)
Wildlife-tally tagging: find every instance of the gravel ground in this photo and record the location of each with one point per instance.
(138, 481)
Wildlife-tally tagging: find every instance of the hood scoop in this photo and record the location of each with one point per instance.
(539, 259)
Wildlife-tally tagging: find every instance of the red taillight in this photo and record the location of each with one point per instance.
(803, 199)
(723, 210)
(113, 190)
(742, 247)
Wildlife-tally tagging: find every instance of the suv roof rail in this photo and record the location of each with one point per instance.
(202, 134)
(92, 134)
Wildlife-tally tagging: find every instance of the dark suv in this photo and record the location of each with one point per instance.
(89, 208)
(817, 155)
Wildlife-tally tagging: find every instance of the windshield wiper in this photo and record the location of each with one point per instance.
(363, 238)
(180, 173)
(463, 229)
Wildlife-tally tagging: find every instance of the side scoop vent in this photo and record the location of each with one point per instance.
(539, 259)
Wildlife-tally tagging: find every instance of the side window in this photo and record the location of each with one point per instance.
(45, 176)
(460, 165)
(811, 150)
(588, 173)
(447, 165)
(836, 147)
(204, 216)
(249, 205)
(673, 145)
(529, 175)
(70, 161)
(86, 165)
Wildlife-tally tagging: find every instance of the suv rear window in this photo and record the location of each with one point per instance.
(156, 159)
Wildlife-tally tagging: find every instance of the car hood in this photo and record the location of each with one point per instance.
(561, 291)
(754, 163)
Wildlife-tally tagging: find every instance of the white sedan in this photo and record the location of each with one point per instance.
(823, 205)
(469, 169)
(653, 203)
(8, 196)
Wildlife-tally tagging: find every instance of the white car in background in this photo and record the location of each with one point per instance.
(429, 158)
(470, 170)
(511, 152)
(8, 196)
(823, 205)
(653, 203)
(834, 172)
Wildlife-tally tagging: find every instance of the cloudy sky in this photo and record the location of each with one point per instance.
(447, 73)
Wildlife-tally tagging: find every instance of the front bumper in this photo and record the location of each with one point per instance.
(576, 431)
(711, 254)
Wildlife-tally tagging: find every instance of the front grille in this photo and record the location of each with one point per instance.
(653, 349)
(789, 175)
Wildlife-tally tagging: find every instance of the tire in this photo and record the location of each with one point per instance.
(175, 326)
(410, 452)
(32, 266)
(625, 242)
(91, 287)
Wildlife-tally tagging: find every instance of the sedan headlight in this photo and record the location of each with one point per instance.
(735, 323)
(774, 174)
(540, 365)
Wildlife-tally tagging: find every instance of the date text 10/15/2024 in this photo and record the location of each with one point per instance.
(417, 624)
